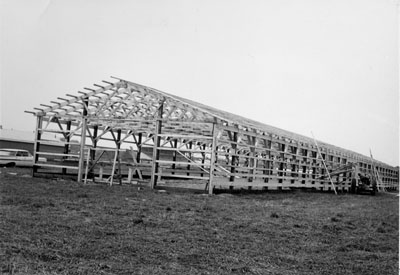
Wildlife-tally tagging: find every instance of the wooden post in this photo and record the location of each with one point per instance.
(87, 166)
(93, 152)
(234, 157)
(83, 140)
(190, 157)
(156, 152)
(82, 150)
(174, 154)
(130, 175)
(139, 147)
(213, 158)
(267, 158)
(36, 147)
(203, 160)
(252, 161)
(66, 146)
(119, 132)
(101, 172)
(113, 168)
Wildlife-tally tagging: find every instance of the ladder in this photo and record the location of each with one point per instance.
(380, 185)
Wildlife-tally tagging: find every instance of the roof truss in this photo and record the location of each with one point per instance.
(130, 106)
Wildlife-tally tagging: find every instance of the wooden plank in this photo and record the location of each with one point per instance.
(118, 142)
(56, 143)
(186, 136)
(174, 154)
(234, 159)
(181, 176)
(136, 166)
(196, 170)
(180, 163)
(58, 154)
(55, 131)
(183, 150)
(67, 141)
(82, 144)
(36, 145)
(212, 161)
(56, 166)
(113, 168)
(87, 166)
(156, 152)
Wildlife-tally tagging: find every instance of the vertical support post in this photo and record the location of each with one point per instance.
(95, 132)
(83, 140)
(101, 172)
(87, 166)
(213, 158)
(252, 161)
(36, 146)
(203, 160)
(234, 157)
(66, 146)
(130, 170)
(92, 157)
(174, 154)
(267, 159)
(156, 152)
(119, 131)
(139, 147)
(190, 157)
(113, 168)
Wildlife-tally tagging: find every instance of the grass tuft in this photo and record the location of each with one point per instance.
(274, 215)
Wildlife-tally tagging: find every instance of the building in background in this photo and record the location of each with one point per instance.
(19, 139)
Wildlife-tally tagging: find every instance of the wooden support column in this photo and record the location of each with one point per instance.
(36, 147)
(190, 157)
(203, 160)
(139, 147)
(267, 159)
(138, 156)
(93, 152)
(174, 154)
(67, 146)
(83, 140)
(213, 158)
(234, 157)
(252, 161)
(156, 152)
(118, 141)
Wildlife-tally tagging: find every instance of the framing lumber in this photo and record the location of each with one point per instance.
(156, 152)
(173, 136)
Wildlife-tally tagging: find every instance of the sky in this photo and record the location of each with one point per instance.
(320, 66)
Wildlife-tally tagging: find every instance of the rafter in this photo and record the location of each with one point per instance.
(129, 100)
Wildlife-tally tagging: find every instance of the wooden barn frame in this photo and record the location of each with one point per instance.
(122, 132)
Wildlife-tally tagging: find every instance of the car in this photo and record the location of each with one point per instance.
(17, 157)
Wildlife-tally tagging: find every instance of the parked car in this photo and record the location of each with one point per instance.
(17, 157)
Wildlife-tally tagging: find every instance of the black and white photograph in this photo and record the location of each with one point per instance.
(199, 137)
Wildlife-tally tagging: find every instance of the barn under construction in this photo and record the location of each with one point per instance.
(123, 132)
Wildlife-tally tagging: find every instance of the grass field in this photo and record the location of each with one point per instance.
(61, 227)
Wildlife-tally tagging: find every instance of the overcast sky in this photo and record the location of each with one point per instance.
(330, 67)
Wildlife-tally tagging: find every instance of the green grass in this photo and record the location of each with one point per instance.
(61, 227)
